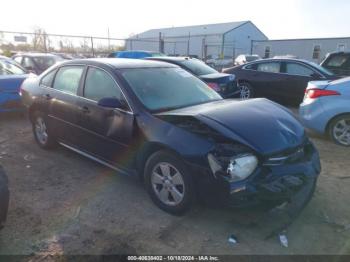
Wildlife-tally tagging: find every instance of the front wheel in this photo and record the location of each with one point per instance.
(169, 183)
(40, 130)
(339, 130)
(246, 90)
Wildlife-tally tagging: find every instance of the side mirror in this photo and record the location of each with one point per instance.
(111, 102)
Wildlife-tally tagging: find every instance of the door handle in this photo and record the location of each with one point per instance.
(85, 109)
(48, 97)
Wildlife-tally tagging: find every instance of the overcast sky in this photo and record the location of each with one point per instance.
(276, 18)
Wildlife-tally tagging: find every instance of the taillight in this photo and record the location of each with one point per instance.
(315, 93)
(214, 86)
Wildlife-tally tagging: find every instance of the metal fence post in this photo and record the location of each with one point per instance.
(92, 47)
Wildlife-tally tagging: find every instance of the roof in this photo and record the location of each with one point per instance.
(35, 54)
(169, 58)
(209, 29)
(121, 63)
(304, 39)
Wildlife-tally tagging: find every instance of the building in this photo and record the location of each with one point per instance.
(312, 49)
(213, 40)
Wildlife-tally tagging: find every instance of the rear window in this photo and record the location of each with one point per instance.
(197, 67)
(341, 61)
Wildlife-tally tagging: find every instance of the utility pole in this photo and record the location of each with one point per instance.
(109, 40)
(188, 43)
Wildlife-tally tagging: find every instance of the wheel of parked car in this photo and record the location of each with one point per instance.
(247, 90)
(169, 183)
(40, 130)
(339, 130)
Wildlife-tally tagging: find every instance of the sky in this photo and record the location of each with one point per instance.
(277, 19)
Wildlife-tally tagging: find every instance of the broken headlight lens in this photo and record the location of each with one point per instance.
(240, 167)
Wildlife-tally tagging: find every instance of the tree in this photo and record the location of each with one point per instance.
(39, 40)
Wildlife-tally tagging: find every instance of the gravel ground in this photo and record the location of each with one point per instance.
(62, 202)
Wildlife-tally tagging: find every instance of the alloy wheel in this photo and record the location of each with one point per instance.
(168, 184)
(41, 130)
(341, 131)
(245, 91)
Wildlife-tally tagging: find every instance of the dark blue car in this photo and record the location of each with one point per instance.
(135, 54)
(158, 121)
(224, 84)
(11, 78)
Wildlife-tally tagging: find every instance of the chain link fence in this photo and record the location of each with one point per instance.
(40, 41)
(214, 52)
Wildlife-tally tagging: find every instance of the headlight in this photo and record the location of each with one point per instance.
(240, 167)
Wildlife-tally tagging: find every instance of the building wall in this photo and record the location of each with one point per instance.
(301, 48)
(231, 44)
(179, 45)
(239, 40)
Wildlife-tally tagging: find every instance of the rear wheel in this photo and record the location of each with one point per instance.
(41, 132)
(169, 183)
(246, 90)
(339, 130)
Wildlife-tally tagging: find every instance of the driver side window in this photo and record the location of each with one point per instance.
(99, 84)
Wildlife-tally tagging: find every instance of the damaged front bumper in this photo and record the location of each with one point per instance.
(270, 183)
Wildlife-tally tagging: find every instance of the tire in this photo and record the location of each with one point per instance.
(41, 131)
(169, 182)
(339, 130)
(246, 90)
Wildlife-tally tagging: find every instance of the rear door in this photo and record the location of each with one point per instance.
(266, 78)
(297, 76)
(61, 102)
(104, 132)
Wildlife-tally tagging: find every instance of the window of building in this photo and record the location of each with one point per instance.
(317, 52)
(341, 47)
(267, 52)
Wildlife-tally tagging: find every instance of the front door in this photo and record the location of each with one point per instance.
(104, 132)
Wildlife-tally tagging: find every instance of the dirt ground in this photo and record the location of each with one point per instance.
(62, 202)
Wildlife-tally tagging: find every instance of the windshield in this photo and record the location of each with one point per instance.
(9, 68)
(322, 69)
(198, 67)
(162, 89)
(44, 62)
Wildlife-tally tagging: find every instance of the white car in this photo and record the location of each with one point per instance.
(242, 59)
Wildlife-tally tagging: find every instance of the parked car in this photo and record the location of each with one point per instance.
(243, 59)
(338, 63)
(224, 84)
(135, 54)
(283, 80)
(4, 197)
(11, 77)
(218, 62)
(37, 62)
(157, 120)
(326, 109)
(64, 56)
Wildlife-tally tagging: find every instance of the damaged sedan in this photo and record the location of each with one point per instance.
(159, 122)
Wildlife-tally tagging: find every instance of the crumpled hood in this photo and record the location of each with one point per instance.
(261, 124)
